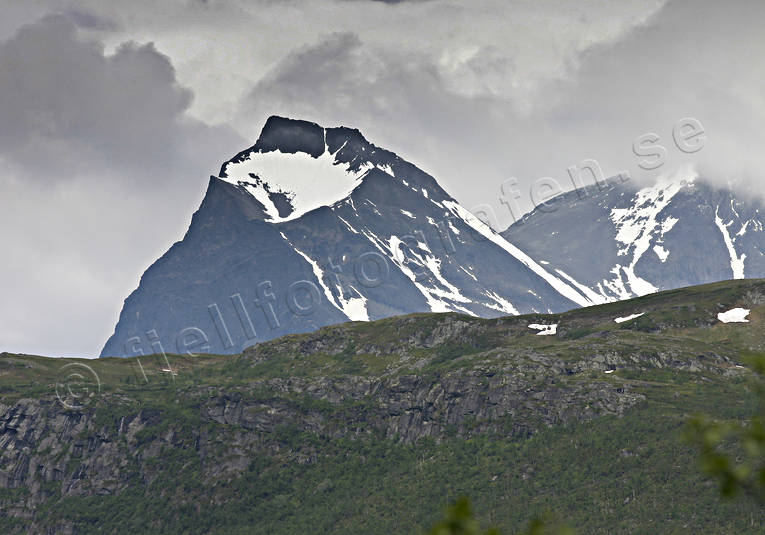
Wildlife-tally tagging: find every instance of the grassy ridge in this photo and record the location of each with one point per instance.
(608, 474)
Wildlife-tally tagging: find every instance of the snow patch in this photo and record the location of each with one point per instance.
(628, 318)
(319, 274)
(348, 225)
(502, 304)
(297, 183)
(661, 252)
(636, 227)
(594, 297)
(545, 330)
(354, 308)
(481, 227)
(616, 285)
(736, 261)
(387, 169)
(737, 315)
(374, 207)
(469, 274)
(437, 298)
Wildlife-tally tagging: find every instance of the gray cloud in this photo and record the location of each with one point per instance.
(67, 109)
(101, 170)
(398, 100)
(399, 1)
(693, 58)
(90, 20)
(475, 125)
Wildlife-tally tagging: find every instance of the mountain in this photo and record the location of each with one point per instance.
(314, 226)
(619, 241)
(373, 427)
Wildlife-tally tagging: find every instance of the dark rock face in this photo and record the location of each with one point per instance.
(397, 244)
(408, 408)
(286, 135)
(42, 442)
(621, 242)
(220, 288)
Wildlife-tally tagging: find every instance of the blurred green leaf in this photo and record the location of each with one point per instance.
(459, 519)
(734, 452)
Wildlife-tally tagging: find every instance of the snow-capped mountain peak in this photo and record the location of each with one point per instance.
(292, 169)
(624, 241)
(641, 227)
(313, 226)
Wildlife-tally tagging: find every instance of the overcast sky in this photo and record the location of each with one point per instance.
(114, 114)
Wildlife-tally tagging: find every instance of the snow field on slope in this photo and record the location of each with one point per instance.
(307, 182)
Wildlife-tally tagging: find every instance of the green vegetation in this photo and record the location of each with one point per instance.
(613, 475)
(376, 428)
(733, 451)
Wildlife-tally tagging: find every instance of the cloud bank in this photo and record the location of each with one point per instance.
(101, 170)
(474, 124)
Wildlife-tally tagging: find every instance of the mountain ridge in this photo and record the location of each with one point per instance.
(625, 240)
(394, 242)
(312, 226)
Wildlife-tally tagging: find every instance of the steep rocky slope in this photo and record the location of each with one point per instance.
(623, 241)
